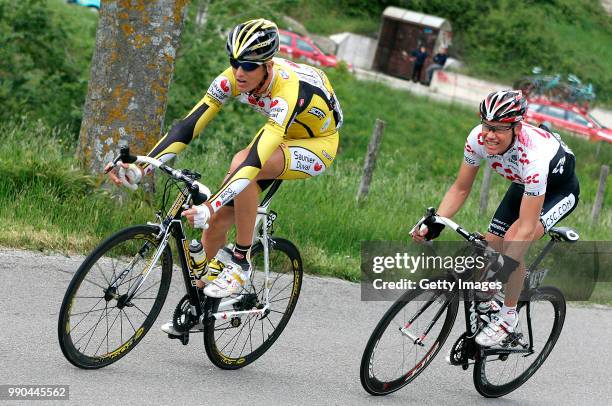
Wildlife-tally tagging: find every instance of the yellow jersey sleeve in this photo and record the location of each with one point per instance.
(185, 130)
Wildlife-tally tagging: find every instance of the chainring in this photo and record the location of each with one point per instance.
(182, 319)
(463, 350)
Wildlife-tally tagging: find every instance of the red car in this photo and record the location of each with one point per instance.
(567, 117)
(300, 48)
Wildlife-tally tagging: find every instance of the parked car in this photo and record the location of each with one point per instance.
(566, 117)
(301, 48)
(93, 4)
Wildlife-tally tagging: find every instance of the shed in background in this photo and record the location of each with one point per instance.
(402, 31)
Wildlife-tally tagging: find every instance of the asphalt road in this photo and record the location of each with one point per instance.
(314, 362)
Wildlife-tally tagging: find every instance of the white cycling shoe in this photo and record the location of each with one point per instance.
(233, 279)
(496, 331)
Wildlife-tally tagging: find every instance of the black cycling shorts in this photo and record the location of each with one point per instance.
(560, 200)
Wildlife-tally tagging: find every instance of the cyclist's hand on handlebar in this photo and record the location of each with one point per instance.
(128, 175)
(419, 234)
(198, 216)
(427, 231)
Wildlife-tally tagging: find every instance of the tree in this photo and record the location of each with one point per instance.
(133, 62)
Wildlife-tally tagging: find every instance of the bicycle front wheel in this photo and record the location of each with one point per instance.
(407, 338)
(498, 372)
(235, 342)
(98, 323)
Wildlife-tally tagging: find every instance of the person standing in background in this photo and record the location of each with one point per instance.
(418, 57)
(439, 60)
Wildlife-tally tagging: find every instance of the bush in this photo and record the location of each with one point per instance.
(40, 77)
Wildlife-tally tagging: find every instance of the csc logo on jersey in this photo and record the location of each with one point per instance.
(220, 89)
(306, 161)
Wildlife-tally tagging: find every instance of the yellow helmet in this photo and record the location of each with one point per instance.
(253, 41)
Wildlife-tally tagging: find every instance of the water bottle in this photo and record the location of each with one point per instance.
(198, 255)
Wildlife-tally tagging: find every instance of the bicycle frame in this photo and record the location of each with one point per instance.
(532, 281)
(171, 226)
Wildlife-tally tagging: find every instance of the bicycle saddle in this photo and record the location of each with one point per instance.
(563, 234)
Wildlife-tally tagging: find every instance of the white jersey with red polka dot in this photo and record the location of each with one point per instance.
(526, 162)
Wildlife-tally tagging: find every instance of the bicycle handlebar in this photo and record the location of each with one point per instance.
(475, 238)
(434, 218)
(198, 196)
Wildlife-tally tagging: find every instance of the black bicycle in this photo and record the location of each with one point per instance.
(414, 329)
(118, 291)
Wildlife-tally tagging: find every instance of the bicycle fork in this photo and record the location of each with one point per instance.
(418, 339)
(125, 299)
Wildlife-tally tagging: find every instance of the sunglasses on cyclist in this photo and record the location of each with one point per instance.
(246, 66)
(494, 128)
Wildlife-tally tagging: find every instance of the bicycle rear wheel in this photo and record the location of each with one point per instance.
(541, 320)
(97, 324)
(236, 342)
(392, 359)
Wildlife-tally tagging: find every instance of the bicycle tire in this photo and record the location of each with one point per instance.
(482, 376)
(375, 386)
(286, 263)
(96, 271)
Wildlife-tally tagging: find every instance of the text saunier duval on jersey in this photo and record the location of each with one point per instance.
(413, 263)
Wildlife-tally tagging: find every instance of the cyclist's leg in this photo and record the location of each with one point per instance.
(505, 216)
(558, 204)
(220, 223)
(245, 203)
(215, 236)
(294, 159)
(514, 286)
(308, 157)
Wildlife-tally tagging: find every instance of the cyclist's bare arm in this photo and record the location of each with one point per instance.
(454, 197)
(184, 131)
(459, 191)
(179, 136)
(263, 146)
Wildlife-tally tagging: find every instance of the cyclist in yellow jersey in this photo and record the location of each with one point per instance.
(299, 140)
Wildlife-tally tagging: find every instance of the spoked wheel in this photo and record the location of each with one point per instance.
(234, 342)
(400, 347)
(98, 323)
(497, 373)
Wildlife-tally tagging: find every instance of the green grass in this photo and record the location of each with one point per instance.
(52, 206)
(47, 203)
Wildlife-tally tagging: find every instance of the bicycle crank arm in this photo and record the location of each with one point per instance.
(498, 351)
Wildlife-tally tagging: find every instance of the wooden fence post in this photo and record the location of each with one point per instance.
(484, 190)
(603, 176)
(370, 160)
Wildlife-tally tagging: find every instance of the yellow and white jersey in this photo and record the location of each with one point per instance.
(299, 101)
(300, 104)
